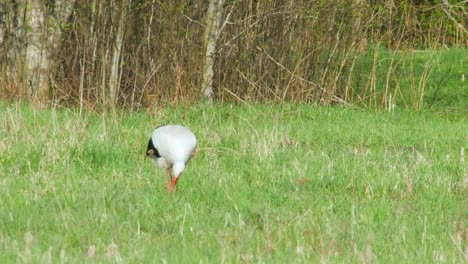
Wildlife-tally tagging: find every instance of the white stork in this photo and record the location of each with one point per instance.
(171, 146)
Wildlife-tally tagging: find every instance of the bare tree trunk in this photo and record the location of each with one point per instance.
(36, 45)
(3, 7)
(212, 30)
(37, 55)
(115, 72)
(15, 41)
(112, 54)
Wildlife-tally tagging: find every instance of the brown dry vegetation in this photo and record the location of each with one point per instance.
(299, 51)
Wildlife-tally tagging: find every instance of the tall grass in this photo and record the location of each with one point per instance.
(408, 79)
(271, 183)
(268, 51)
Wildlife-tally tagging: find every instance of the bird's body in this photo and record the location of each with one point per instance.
(172, 146)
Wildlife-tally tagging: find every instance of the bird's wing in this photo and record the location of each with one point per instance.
(175, 143)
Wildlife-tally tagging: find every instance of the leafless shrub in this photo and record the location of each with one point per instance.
(136, 54)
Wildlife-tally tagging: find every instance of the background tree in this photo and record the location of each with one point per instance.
(213, 28)
(137, 53)
(35, 28)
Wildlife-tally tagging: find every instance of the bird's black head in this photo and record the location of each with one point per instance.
(151, 150)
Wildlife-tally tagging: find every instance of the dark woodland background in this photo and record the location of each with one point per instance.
(135, 53)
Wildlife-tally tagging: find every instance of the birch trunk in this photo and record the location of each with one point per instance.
(32, 51)
(15, 42)
(36, 62)
(115, 67)
(3, 7)
(212, 30)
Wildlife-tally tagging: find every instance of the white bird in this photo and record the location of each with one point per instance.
(171, 146)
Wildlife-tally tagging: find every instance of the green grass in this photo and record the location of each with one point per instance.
(270, 183)
(412, 79)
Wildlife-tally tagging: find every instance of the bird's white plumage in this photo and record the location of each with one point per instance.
(175, 145)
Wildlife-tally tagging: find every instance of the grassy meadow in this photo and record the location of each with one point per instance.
(410, 79)
(270, 183)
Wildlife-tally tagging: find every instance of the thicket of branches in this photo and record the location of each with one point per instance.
(136, 53)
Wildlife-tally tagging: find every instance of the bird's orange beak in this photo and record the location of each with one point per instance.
(171, 186)
(174, 182)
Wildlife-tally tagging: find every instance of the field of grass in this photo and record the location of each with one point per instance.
(270, 183)
(412, 79)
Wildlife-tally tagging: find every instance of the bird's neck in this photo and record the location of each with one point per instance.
(178, 168)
